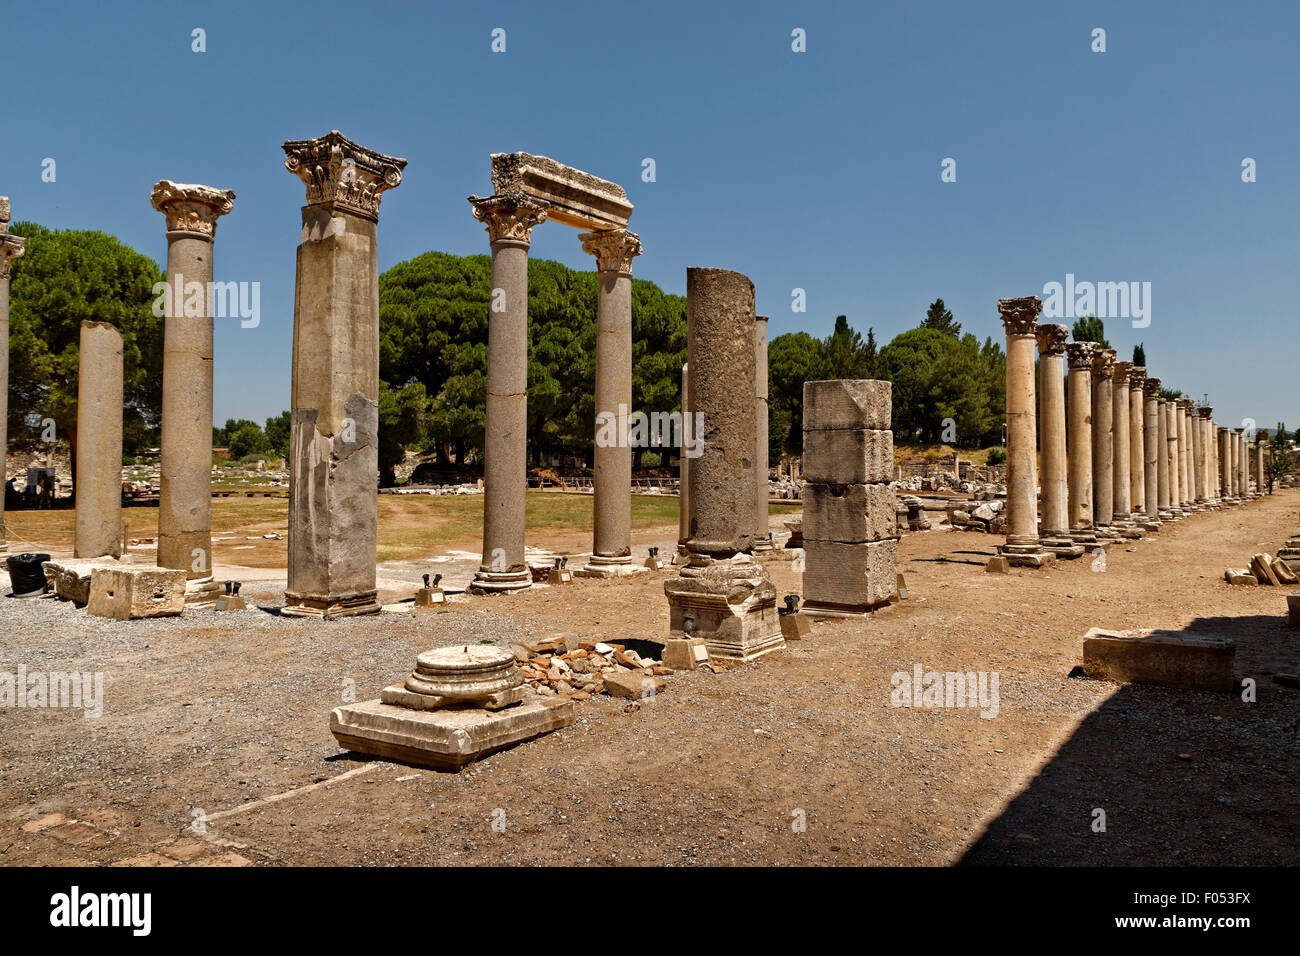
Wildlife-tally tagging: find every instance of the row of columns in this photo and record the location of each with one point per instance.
(1129, 459)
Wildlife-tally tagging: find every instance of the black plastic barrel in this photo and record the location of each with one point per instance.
(26, 574)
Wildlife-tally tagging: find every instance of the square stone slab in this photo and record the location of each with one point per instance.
(1168, 658)
(443, 739)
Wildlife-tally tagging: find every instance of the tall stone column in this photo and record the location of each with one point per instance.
(1261, 484)
(1055, 533)
(1122, 475)
(725, 594)
(611, 549)
(1185, 482)
(1137, 444)
(509, 221)
(762, 533)
(1210, 446)
(1239, 463)
(1225, 465)
(11, 247)
(1198, 455)
(1019, 318)
(334, 402)
(1171, 447)
(185, 484)
(1163, 474)
(1151, 450)
(1080, 439)
(684, 469)
(1103, 444)
(98, 487)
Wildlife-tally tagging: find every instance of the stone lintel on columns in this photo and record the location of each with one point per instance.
(340, 174)
(614, 249)
(1020, 315)
(574, 198)
(190, 207)
(509, 218)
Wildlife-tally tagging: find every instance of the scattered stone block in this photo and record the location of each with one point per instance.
(69, 578)
(685, 654)
(1282, 572)
(900, 587)
(559, 576)
(429, 597)
(998, 564)
(133, 592)
(795, 627)
(1240, 576)
(1167, 658)
(1262, 567)
(231, 602)
(635, 685)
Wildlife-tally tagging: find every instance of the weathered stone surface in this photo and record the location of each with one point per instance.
(847, 403)
(1167, 658)
(1282, 571)
(997, 564)
(849, 513)
(99, 446)
(575, 198)
(69, 579)
(685, 654)
(400, 696)
(632, 684)
(1241, 576)
(731, 603)
(849, 577)
(443, 739)
(1261, 565)
(795, 627)
(848, 456)
(132, 592)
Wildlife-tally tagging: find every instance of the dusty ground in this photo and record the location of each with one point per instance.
(211, 714)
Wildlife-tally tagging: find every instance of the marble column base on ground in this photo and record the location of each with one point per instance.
(730, 602)
(601, 566)
(1126, 527)
(1061, 545)
(1107, 534)
(460, 704)
(1084, 536)
(201, 592)
(330, 606)
(1149, 525)
(1026, 555)
(763, 545)
(500, 582)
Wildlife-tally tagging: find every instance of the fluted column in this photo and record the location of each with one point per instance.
(1019, 317)
(1151, 446)
(1103, 443)
(11, 247)
(1055, 533)
(611, 549)
(185, 473)
(1080, 355)
(334, 400)
(1137, 444)
(98, 486)
(509, 221)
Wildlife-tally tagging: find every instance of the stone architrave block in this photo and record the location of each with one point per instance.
(136, 591)
(69, 579)
(1170, 659)
(849, 513)
(847, 403)
(861, 456)
(850, 577)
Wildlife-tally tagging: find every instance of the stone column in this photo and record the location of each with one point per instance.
(1261, 484)
(1211, 447)
(1238, 464)
(684, 469)
(1151, 450)
(99, 442)
(1103, 443)
(1198, 455)
(185, 483)
(1019, 318)
(334, 402)
(1162, 415)
(11, 247)
(762, 534)
(611, 549)
(1225, 465)
(1055, 533)
(730, 600)
(1137, 444)
(1185, 482)
(1080, 439)
(1122, 475)
(1171, 446)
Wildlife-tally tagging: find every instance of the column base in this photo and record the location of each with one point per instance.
(732, 603)
(1061, 546)
(329, 606)
(604, 566)
(1084, 536)
(202, 592)
(1026, 556)
(1149, 524)
(1107, 534)
(500, 582)
(763, 545)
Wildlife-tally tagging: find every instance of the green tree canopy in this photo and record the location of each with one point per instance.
(1090, 329)
(1139, 356)
(937, 376)
(939, 317)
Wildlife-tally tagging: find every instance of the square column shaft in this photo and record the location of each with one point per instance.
(98, 486)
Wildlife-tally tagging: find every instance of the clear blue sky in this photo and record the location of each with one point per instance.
(816, 170)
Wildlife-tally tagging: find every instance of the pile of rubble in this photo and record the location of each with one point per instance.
(579, 668)
(1264, 569)
(989, 516)
(461, 489)
(785, 488)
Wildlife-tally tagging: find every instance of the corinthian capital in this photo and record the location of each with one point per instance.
(1080, 354)
(191, 208)
(1121, 373)
(338, 172)
(1051, 339)
(11, 247)
(509, 217)
(1103, 362)
(1019, 315)
(614, 249)
(4, 215)
(1152, 388)
(1136, 376)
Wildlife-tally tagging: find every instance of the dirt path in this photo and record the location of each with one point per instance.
(797, 759)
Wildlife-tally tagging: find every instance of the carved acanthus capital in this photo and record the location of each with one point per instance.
(4, 215)
(339, 172)
(1206, 411)
(11, 247)
(1187, 404)
(1137, 375)
(1151, 388)
(509, 217)
(1080, 355)
(191, 208)
(614, 249)
(1103, 362)
(1051, 339)
(1120, 374)
(1020, 315)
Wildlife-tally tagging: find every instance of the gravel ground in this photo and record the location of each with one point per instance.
(797, 759)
